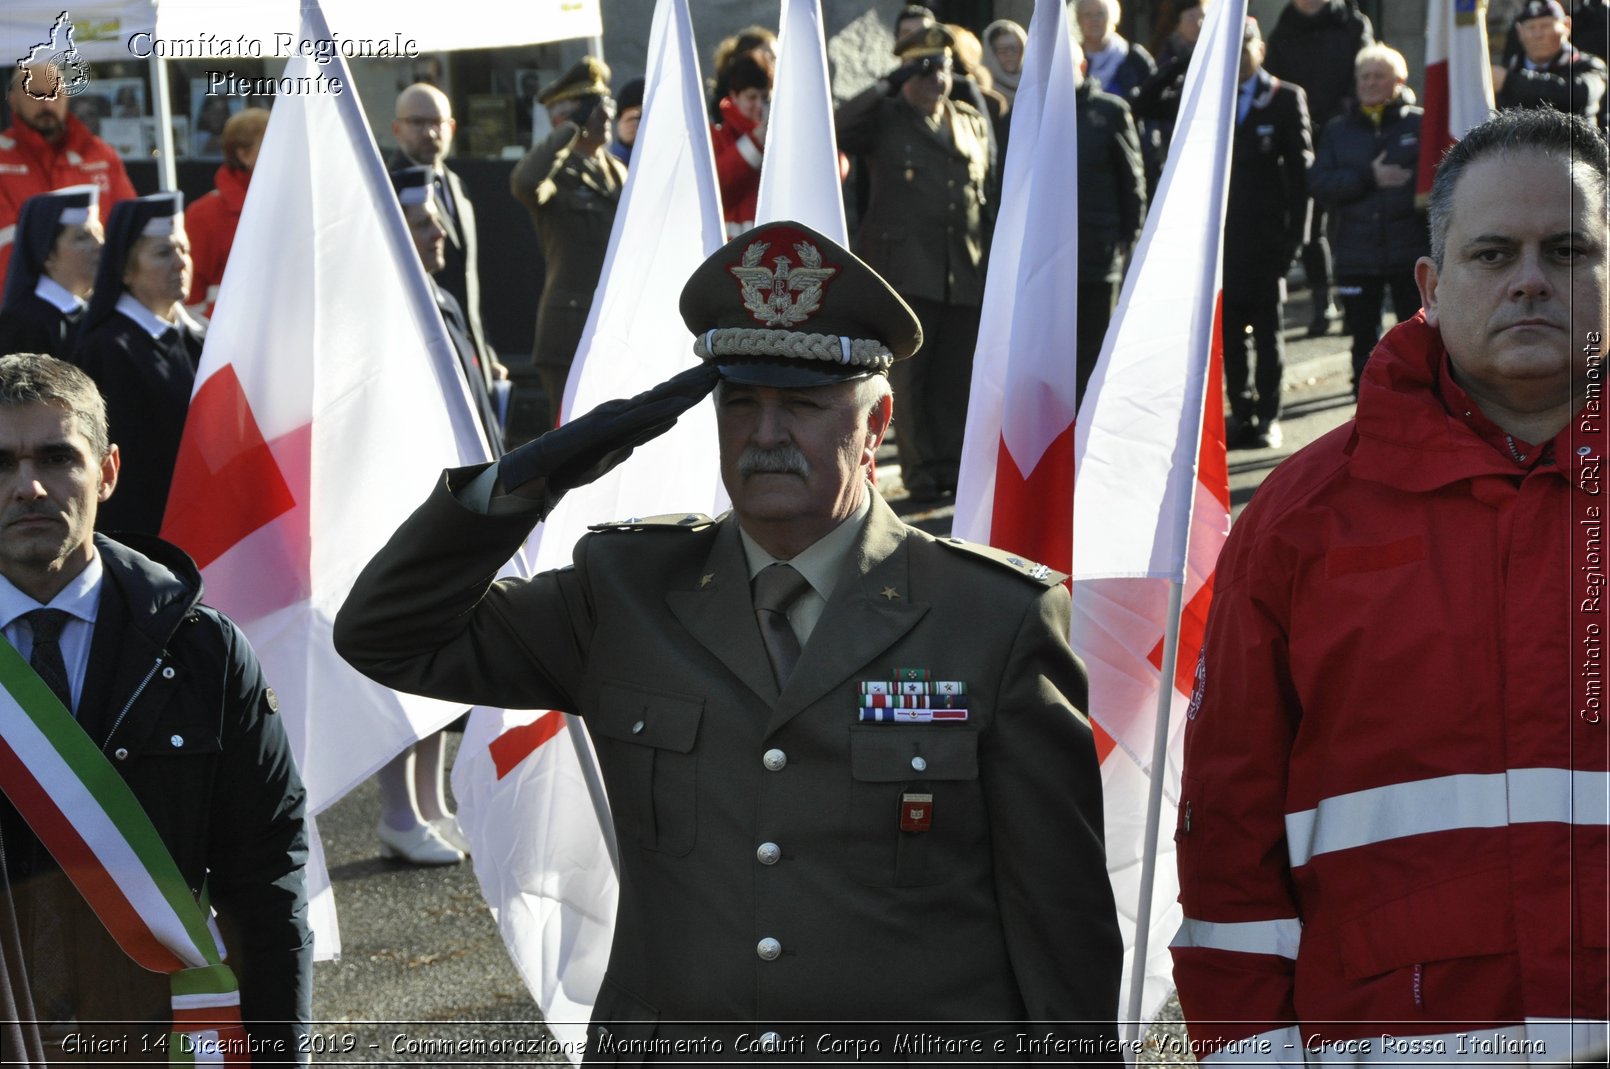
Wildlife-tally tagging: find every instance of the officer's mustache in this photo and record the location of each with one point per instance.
(778, 460)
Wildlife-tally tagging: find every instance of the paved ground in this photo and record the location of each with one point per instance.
(423, 965)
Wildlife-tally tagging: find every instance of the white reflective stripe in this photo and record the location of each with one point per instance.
(1537, 1040)
(1279, 937)
(8, 234)
(1447, 803)
(749, 151)
(1279, 1046)
(1558, 795)
(1565, 1036)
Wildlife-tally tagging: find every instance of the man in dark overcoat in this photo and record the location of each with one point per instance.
(1265, 224)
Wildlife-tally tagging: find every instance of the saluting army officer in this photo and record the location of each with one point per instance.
(928, 158)
(846, 761)
(571, 185)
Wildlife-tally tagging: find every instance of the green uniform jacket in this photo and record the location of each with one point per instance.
(923, 229)
(1001, 912)
(573, 208)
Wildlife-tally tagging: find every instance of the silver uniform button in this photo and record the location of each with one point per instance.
(769, 949)
(769, 853)
(121, 753)
(774, 760)
(177, 740)
(637, 728)
(168, 673)
(919, 764)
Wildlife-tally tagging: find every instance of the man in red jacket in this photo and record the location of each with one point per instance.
(1392, 832)
(45, 148)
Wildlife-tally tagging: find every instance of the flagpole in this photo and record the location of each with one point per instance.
(595, 789)
(1154, 805)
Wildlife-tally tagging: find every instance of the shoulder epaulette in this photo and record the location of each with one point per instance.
(1022, 566)
(675, 521)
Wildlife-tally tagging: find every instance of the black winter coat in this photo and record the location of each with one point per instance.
(34, 325)
(176, 700)
(1573, 82)
(1378, 231)
(1112, 184)
(1266, 213)
(147, 385)
(1316, 52)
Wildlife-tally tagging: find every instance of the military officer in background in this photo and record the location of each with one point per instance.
(924, 231)
(571, 184)
(848, 770)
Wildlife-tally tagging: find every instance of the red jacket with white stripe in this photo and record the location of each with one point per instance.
(738, 159)
(30, 165)
(1393, 813)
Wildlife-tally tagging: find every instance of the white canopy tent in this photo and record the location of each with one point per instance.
(107, 30)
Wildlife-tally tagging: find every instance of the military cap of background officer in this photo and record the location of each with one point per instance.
(926, 43)
(1539, 9)
(588, 78)
(782, 305)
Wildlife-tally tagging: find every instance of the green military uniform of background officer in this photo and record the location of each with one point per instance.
(794, 867)
(571, 185)
(924, 230)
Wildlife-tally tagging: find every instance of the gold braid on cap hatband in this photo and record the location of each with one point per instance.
(794, 345)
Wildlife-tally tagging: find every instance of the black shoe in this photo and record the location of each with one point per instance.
(1240, 433)
(1323, 318)
(1268, 436)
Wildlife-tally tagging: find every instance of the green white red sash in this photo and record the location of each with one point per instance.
(91, 823)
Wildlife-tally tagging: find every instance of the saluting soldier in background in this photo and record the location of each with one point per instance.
(571, 184)
(924, 231)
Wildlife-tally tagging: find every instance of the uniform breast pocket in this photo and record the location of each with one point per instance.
(915, 807)
(647, 750)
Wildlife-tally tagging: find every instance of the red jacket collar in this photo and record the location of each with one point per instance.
(76, 139)
(231, 185)
(733, 119)
(1412, 431)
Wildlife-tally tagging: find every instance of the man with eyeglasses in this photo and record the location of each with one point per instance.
(424, 129)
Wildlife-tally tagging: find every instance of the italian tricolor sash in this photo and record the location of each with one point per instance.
(91, 823)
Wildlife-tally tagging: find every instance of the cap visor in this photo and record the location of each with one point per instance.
(790, 374)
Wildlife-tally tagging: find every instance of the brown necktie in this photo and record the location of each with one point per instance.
(46, 658)
(776, 589)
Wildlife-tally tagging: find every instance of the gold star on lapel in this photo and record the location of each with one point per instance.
(890, 593)
(706, 580)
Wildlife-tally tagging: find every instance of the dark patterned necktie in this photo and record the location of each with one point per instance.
(776, 589)
(46, 658)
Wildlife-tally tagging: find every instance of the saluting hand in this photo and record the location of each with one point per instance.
(590, 445)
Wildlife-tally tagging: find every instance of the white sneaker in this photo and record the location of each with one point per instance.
(419, 845)
(448, 829)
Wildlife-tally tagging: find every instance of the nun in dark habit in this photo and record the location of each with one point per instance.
(53, 260)
(141, 347)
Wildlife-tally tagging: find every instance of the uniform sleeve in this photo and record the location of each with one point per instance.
(1333, 179)
(257, 858)
(856, 120)
(1236, 949)
(1042, 785)
(537, 167)
(425, 615)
